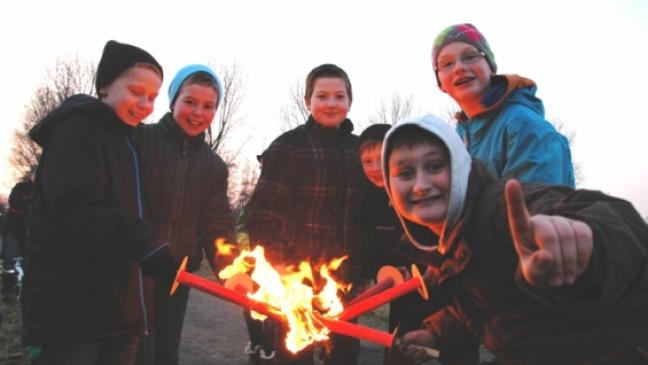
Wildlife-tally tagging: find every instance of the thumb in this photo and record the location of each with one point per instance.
(519, 219)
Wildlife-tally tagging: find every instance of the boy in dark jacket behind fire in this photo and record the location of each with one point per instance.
(84, 300)
(541, 274)
(185, 189)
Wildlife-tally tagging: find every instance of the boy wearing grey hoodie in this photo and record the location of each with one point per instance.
(541, 274)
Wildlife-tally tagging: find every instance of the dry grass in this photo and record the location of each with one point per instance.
(11, 350)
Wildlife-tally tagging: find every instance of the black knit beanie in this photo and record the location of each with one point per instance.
(374, 132)
(119, 57)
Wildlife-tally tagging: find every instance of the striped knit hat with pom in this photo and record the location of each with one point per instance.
(466, 33)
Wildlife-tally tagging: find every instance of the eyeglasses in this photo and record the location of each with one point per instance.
(468, 58)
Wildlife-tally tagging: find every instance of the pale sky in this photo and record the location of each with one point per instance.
(588, 59)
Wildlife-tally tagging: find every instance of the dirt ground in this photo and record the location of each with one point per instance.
(214, 333)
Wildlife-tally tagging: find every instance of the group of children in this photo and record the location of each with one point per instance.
(537, 272)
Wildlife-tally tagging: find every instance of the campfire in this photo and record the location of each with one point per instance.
(293, 291)
(306, 300)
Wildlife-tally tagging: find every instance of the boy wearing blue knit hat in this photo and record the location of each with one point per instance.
(501, 119)
(185, 189)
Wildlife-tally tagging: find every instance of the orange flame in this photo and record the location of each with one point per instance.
(291, 289)
(223, 248)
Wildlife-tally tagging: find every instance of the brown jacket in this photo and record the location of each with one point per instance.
(601, 319)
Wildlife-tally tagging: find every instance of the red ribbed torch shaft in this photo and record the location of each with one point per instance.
(378, 288)
(379, 299)
(233, 296)
(360, 332)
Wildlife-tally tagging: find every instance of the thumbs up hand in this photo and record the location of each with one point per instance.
(553, 250)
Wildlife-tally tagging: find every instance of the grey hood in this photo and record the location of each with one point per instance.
(460, 163)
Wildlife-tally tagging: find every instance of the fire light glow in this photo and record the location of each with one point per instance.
(294, 290)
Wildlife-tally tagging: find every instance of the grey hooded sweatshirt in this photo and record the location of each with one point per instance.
(473, 266)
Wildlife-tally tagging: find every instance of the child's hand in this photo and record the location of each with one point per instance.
(417, 345)
(553, 250)
(403, 270)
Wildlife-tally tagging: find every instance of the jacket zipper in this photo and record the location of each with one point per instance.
(181, 171)
(140, 212)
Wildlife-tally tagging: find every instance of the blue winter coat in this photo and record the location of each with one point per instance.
(513, 139)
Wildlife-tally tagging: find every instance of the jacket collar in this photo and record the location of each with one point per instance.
(345, 128)
(501, 86)
(77, 104)
(169, 126)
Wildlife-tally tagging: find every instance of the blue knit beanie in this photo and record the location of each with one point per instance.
(187, 71)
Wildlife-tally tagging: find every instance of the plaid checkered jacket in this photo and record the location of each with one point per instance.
(309, 200)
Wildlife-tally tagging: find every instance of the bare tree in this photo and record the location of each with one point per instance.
(579, 174)
(229, 110)
(220, 135)
(399, 107)
(66, 78)
(241, 193)
(449, 114)
(294, 113)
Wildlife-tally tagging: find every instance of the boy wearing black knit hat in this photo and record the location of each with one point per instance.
(84, 301)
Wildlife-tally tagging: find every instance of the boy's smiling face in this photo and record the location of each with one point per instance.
(463, 82)
(370, 158)
(330, 102)
(195, 108)
(419, 183)
(133, 94)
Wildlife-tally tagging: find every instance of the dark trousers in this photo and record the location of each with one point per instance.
(9, 272)
(162, 345)
(340, 350)
(109, 352)
(408, 312)
(9, 251)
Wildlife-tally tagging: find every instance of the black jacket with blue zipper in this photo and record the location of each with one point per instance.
(82, 280)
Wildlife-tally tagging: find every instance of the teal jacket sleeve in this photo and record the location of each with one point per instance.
(536, 152)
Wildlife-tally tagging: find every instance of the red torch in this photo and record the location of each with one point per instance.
(202, 284)
(386, 296)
